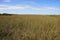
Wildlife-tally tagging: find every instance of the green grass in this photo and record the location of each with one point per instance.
(29, 27)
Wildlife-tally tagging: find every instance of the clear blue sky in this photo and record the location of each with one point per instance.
(30, 6)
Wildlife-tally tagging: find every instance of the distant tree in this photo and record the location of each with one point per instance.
(6, 14)
(0, 14)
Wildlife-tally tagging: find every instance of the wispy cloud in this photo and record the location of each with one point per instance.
(52, 8)
(11, 8)
(3, 5)
(45, 8)
(23, 7)
(7, 0)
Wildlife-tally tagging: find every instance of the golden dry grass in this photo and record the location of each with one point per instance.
(29, 27)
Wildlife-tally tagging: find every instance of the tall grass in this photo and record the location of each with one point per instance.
(29, 27)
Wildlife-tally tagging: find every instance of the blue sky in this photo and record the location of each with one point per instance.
(30, 6)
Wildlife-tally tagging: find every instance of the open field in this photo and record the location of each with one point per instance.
(30, 27)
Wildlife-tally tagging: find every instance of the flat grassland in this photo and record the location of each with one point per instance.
(30, 27)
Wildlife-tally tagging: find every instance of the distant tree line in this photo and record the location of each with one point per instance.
(5, 14)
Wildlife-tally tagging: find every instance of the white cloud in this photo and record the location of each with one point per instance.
(46, 8)
(12, 8)
(7, 0)
(15, 7)
(23, 7)
(3, 5)
(52, 8)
